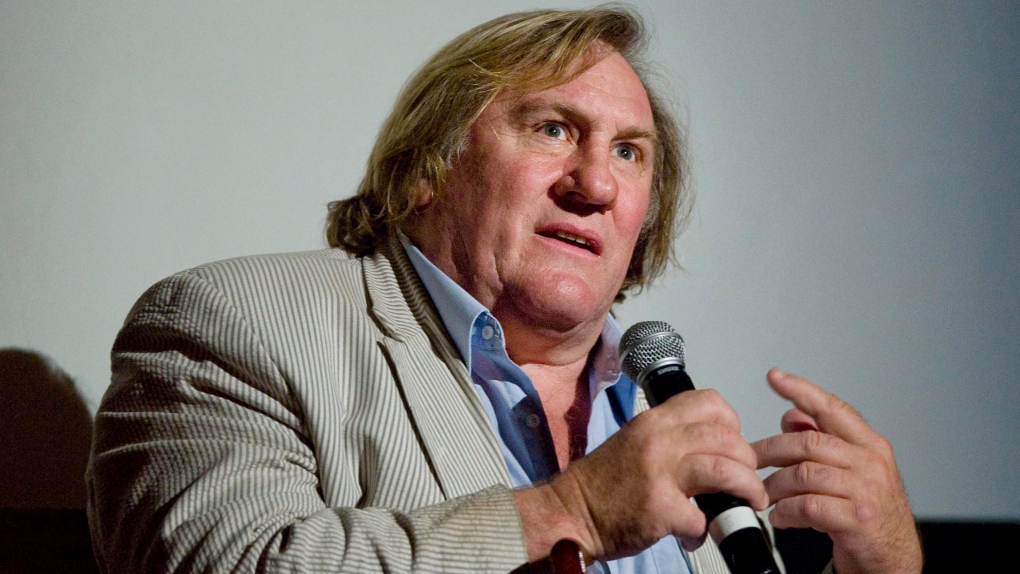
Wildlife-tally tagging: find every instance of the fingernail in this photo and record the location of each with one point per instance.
(778, 372)
(692, 544)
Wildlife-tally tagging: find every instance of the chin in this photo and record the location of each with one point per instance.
(563, 303)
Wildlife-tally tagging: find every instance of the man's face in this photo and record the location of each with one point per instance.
(541, 211)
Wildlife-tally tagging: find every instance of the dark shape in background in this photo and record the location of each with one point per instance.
(950, 547)
(45, 434)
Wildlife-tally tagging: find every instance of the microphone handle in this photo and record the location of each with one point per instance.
(732, 523)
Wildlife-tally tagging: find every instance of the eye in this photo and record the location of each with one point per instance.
(554, 130)
(626, 152)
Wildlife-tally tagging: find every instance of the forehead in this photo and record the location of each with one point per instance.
(610, 90)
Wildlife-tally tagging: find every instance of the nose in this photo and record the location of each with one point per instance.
(588, 179)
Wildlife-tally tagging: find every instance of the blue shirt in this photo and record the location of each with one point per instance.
(514, 408)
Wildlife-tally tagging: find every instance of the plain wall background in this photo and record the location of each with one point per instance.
(858, 218)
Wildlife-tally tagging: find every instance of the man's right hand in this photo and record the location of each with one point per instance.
(635, 488)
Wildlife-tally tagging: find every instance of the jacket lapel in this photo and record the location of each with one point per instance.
(443, 404)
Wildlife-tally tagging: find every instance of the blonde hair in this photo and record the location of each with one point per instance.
(524, 52)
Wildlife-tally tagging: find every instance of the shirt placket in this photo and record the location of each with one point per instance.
(525, 431)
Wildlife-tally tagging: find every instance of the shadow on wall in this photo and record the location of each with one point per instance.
(45, 433)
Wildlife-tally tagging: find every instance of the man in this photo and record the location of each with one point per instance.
(370, 407)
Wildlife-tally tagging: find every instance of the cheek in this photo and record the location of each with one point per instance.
(632, 217)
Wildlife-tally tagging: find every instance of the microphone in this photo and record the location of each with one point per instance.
(652, 355)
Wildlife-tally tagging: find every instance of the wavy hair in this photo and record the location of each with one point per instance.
(523, 52)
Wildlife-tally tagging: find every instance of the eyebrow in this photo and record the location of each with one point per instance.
(525, 106)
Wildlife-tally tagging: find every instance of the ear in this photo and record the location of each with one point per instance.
(423, 193)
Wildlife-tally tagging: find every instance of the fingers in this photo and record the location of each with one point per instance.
(823, 513)
(809, 478)
(692, 543)
(635, 488)
(830, 413)
(698, 406)
(709, 439)
(706, 473)
(790, 448)
(691, 423)
(796, 420)
(838, 476)
(689, 522)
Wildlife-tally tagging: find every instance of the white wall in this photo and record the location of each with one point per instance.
(856, 165)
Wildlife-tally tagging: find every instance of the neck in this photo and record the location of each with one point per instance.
(563, 389)
(528, 342)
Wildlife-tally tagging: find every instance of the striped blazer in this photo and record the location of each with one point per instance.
(300, 412)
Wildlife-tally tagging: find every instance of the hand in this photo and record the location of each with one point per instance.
(838, 476)
(634, 489)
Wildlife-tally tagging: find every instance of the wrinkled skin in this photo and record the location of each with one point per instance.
(838, 476)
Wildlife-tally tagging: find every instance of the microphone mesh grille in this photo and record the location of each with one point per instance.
(647, 342)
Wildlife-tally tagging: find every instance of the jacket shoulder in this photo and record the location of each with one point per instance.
(254, 274)
(301, 282)
(278, 267)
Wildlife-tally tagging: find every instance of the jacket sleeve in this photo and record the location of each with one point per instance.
(202, 462)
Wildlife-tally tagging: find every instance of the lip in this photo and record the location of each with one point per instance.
(590, 237)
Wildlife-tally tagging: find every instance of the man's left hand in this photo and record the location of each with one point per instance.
(838, 476)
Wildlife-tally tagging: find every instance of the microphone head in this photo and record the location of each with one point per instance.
(646, 343)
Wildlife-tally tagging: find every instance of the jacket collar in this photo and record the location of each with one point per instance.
(436, 386)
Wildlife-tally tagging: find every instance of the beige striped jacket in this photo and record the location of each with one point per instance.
(301, 412)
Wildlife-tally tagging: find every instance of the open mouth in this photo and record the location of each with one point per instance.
(571, 239)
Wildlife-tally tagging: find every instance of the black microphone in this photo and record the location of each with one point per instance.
(652, 354)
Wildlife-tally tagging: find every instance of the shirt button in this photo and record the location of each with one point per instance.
(488, 332)
(533, 421)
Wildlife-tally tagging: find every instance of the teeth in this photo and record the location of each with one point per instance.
(572, 237)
